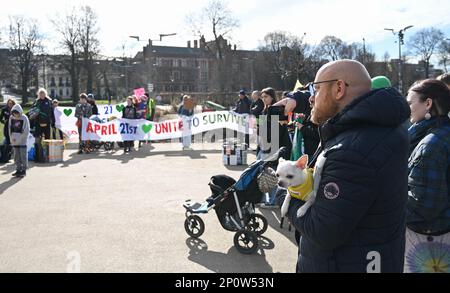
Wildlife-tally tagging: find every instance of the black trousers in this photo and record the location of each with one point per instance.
(42, 131)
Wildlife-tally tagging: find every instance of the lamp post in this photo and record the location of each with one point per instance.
(401, 36)
(251, 60)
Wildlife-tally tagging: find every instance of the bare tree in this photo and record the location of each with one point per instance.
(215, 20)
(444, 53)
(25, 41)
(89, 43)
(69, 29)
(332, 48)
(290, 57)
(424, 44)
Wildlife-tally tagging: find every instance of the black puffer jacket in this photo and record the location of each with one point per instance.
(361, 200)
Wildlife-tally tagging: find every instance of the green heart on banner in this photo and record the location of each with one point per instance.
(147, 128)
(120, 108)
(67, 112)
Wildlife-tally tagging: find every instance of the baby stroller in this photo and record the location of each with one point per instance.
(234, 203)
(96, 145)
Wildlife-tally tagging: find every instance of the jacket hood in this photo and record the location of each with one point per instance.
(17, 108)
(383, 107)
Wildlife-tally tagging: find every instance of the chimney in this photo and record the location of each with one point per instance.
(235, 47)
(150, 43)
(189, 44)
(195, 44)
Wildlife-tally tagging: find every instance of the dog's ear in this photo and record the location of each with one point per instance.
(281, 160)
(302, 162)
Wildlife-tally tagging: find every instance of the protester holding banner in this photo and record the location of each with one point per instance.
(82, 110)
(56, 131)
(186, 112)
(151, 108)
(91, 101)
(428, 208)
(129, 112)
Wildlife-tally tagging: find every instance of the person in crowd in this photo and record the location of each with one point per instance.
(91, 101)
(445, 78)
(45, 117)
(308, 130)
(243, 106)
(357, 221)
(129, 112)
(56, 132)
(186, 112)
(428, 207)
(19, 129)
(151, 108)
(269, 139)
(82, 110)
(141, 110)
(4, 119)
(257, 108)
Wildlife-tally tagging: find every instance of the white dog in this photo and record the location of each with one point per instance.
(300, 182)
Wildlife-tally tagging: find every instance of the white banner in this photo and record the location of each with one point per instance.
(125, 129)
(66, 121)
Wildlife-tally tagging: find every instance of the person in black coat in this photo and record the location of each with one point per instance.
(243, 106)
(91, 101)
(129, 112)
(357, 222)
(308, 129)
(4, 119)
(46, 117)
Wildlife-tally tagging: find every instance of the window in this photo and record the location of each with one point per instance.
(180, 63)
(203, 64)
(68, 92)
(204, 76)
(176, 75)
(67, 81)
(61, 81)
(52, 93)
(52, 81)
(61, 93)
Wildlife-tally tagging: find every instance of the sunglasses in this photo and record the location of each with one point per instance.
(312, 89)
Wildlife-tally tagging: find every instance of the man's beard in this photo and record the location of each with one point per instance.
(329, 110)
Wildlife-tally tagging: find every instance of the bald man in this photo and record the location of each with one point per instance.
(357, 222)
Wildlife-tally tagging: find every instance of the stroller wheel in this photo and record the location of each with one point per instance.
(108, 146)
(246, 242)
(194, 226)
(257, 224)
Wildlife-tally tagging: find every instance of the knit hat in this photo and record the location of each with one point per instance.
(380, 82)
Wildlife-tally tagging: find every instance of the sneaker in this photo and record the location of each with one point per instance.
(15, 173)
(21, 174)
(269, 206)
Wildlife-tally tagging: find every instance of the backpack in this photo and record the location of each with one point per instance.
(5, 153)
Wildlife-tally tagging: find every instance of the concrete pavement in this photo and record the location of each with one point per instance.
(123, 213)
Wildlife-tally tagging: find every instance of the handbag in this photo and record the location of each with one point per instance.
(267, 180)
(33, 113)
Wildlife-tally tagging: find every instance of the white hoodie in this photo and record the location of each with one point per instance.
(19, 128)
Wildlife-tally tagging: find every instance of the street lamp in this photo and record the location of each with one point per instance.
(251, 60)
(401, 36)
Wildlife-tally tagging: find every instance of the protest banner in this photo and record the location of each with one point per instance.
(127, 130)
(66, 121)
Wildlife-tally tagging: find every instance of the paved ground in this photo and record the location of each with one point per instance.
(123, 213)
